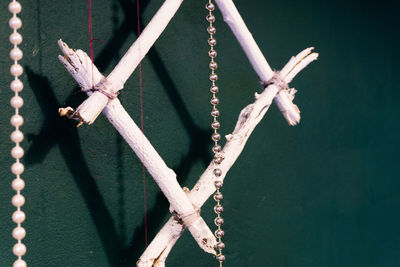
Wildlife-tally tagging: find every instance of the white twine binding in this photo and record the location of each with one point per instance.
(105, 87)
(188, 218)
(277, 80)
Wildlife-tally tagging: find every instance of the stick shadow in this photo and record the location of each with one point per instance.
(63, 133)
(199, 139)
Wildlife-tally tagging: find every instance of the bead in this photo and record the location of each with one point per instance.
(218, 208)
(16, 38)
(16, 53)
(16, 120)
(19, 249)
(17, 85)
(14, 7)
(213, 65)
(216, 137)
(215, 125)
(212, 41)
(19, 263)
(218, 184)
(19, 233)
(17, 152)
(16, 102)
(218, 159)
(219, 233)
(218, 196)
(211, 30)
(216, 149)
(18, 184)
(17, 136)
(217, 172)
(15, 23)
(213, 77)
(210, 18)
(218, 221)
(214, 101)
(215, 113)
(210, 7)
(212, 53)
(214, 89)
(18, 200)
(220, 245)
(16, 70)
(17, 168)
(18, 216)
(221, 258)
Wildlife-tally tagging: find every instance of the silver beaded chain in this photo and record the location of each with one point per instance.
(218, 209)
(17, 136)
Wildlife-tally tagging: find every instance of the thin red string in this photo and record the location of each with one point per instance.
(90, 23)
(141, 123)
(89, 2)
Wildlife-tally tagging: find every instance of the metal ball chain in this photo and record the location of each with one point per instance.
(218, 209)
(17, 152)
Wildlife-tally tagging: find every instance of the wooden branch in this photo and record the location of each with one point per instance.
(159, 249)
(232, 17)
(139, 49)
(77, 63)
(89, 110)
(248, 119)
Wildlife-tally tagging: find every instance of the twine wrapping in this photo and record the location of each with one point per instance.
(277, 80)
(188, 218)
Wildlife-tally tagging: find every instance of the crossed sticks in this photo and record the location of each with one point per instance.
(103, 92)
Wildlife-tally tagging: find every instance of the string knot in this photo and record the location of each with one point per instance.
(106, 88)
(188, 218)
(277, 80)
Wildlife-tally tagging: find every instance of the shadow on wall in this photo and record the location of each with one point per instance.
(62, 132)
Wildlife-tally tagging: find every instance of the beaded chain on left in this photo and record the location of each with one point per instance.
(17, 136)
(218, 209)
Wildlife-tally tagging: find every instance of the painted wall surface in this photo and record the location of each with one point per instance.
(323, 193)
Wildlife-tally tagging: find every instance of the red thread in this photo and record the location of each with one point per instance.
(95, 39)
(90, 23)
(89, 2)
(141, 123)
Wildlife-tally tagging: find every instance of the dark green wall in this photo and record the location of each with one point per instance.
(324, 193)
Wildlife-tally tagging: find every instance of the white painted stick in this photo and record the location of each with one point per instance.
(79, 65)
(159, 251)
(163, 242)
(234, 20)
(89, 110)
(248, 119)
(147, 38)
(232, 17)
(164, 176)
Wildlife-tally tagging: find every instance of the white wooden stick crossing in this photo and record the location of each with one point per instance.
(248, 119)
(184, 204)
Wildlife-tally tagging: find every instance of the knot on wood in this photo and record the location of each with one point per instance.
(277, 80)
(106, 88)
(188, 218)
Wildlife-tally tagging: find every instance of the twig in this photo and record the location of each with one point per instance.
(248, 119)
(232, 17)
(89, 110)
(77, 62)
(276, 88)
